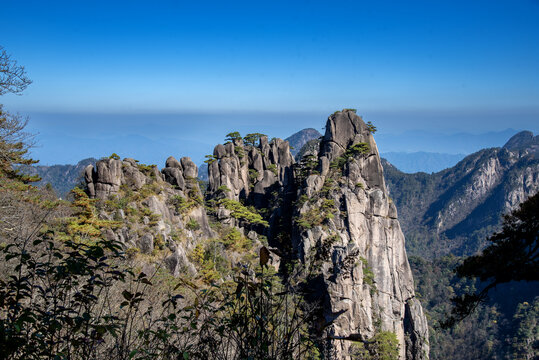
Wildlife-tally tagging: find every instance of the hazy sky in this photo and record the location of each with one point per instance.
(187, 72)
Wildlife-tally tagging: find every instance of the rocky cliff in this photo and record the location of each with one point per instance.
(331, 211)
(156, 208)
(346, 224)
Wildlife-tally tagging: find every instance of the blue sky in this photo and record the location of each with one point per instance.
(178, 75)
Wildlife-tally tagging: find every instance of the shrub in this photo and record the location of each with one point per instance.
(382, 346)
(368, 275)
(273, 169)
(253, 175)
(192, 225)
(147, 170)
(310, 218)
(357, 149)
(238, 150)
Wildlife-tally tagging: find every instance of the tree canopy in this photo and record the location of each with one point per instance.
(13, 78)
(14, 142)
(513, 255)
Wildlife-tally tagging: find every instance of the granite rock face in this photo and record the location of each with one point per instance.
(331, 211)
(106, 177)
(155, 217)
(348, 227)
(249, 171)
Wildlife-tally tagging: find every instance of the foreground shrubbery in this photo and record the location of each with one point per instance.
(71, 294)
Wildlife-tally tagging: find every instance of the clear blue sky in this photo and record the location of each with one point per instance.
(183, 73)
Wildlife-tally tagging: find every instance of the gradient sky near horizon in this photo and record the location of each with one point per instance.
(186, 72)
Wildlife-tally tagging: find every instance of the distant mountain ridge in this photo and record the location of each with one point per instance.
(302, 137)
(523, 141)
(62, 178)
(453, 211)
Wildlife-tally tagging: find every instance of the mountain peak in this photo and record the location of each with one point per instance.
(521, 141)
(299, 139)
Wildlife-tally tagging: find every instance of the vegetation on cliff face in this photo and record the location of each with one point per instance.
(513, 255)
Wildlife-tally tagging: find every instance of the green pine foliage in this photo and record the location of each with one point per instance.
(233, 136)
(253, 139)
(242, 212)
(372, 129)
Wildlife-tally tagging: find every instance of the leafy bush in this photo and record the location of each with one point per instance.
(382, 346)
(357, 149)
(311, 218)
(253, 176)
(239, 151)
(350, 153)
(368, 275)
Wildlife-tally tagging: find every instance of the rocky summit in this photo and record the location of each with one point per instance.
(330, 211)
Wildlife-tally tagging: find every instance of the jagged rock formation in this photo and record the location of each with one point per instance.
(331, 211)
(347, 219)
(249, 172)
(460, 206)
(146, 200)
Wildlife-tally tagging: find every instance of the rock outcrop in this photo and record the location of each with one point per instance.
(106, 177)
(523, 141)
(347, 226)
(152, 200)
(331, 211)
(249, 171)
